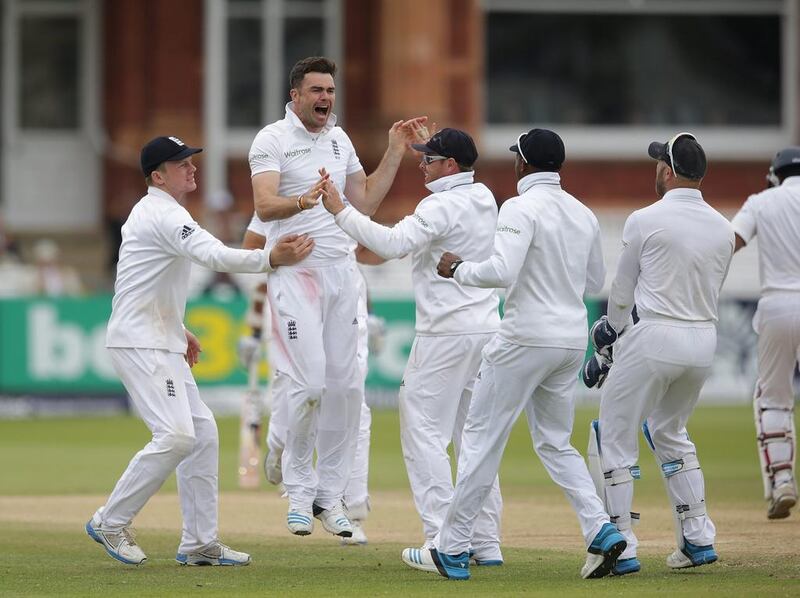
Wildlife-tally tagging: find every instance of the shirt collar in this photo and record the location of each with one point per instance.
(538, 178)
(156, 192)
(292, 117)
(446, 183)
(683, 193)
(791, 181)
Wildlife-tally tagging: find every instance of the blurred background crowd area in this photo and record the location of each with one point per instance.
(85, 83)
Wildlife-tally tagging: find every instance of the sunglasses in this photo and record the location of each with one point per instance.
(430, 159)
(671, 142)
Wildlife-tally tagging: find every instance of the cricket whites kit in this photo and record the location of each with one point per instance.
(453, 324)
(547, 253)
(147, 343)
(675, 257)
(315, 324)
(774, 215)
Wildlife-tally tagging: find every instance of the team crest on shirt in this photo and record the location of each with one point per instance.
(186, 231)
(292, 330)
(335, 146)
(170, 388)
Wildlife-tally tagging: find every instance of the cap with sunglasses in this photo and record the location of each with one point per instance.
(541, 148)
(164, 149)
(450, 143)
(682, 154)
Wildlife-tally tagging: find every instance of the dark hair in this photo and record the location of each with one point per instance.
(787, 171)
(312, 64)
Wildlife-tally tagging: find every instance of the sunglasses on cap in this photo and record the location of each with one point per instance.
(671, 142)
(430, 159)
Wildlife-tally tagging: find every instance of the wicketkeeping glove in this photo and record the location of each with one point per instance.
(602, 334)
(248, 350)
(595, 370)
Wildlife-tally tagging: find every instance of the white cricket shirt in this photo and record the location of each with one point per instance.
(287, 147)
(774, 215)
(160, 240)
(459, 216)
(547, 252)
(675, 257)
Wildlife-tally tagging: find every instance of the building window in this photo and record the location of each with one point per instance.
(608, 66)
(265, 39)
(49, 91)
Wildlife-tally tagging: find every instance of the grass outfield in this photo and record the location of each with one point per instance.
(56, 472)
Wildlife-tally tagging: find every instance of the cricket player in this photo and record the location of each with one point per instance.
(774, 215)
(675, 257)
(315, 305)
(152, 353)
(547, 253)
(452, 323)
(356, 495)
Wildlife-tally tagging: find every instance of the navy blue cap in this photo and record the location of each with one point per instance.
(164, 149)
(450, 143)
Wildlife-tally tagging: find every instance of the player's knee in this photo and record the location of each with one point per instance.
(178, 443)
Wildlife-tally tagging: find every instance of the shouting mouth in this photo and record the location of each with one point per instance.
(322, 110)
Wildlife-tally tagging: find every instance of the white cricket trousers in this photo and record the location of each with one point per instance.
(513, 378)
(356, 493)
(660, 365)
(165, 395)
(434, 400)
(777, 323)
(315, 332)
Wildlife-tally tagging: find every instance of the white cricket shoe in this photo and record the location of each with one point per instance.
(784, 497)
(215, 554)
(272, 467)
(334, 520)
(359, 537)
(118, 544)
(300, 523)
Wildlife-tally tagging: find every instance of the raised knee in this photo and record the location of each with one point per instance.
(178, 443)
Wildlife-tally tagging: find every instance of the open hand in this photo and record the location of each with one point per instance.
(331, 198)
(310, 198)
(290, 249)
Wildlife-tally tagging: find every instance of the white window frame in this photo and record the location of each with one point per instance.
(223, 142)
(630, 142)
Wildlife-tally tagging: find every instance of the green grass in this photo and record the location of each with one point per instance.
(86, 456)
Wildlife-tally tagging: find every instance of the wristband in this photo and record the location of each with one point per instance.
(300, 203)
(455, 265)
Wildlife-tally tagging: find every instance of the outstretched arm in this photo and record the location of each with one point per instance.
(366, 193)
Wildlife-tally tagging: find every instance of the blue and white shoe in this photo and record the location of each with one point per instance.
(215, 554)
(119, 545)
(604, 550)
(300, 523)
(626, 566)
(483, 559)
(692, 555)
(451, 566)
(334, 520)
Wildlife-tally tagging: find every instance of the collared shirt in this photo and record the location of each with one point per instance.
(675, 257)
(459, 216)
(160, 240)
(287, 147)
(547, 252)
(774, 215)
